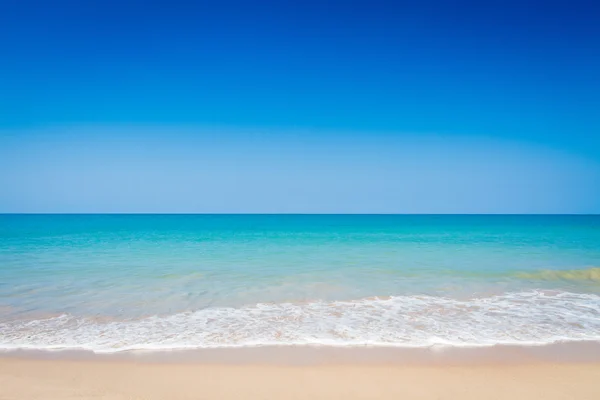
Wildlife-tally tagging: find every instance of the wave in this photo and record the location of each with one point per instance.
(587, 274)
(525, 318)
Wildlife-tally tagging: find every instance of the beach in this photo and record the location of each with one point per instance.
(299, 200)
(113, 283)
(27, 378)
(307, 307)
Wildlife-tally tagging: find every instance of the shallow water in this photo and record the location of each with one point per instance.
(116, 282)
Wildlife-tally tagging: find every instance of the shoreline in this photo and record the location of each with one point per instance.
(521, 318)
(558, 371)
(580, 352)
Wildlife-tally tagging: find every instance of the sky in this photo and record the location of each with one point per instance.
(300, 106)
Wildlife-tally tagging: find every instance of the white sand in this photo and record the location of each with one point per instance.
(26, 378)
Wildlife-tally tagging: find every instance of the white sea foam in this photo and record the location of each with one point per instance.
(412, 321)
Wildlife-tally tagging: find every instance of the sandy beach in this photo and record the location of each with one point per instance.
(57, 377)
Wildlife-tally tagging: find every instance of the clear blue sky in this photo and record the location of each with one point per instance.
(340, 106)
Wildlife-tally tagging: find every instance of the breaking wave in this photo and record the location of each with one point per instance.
(533, 317)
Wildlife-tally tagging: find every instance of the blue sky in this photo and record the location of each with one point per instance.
(391, 107)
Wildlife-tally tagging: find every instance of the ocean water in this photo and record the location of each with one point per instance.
(118, 282)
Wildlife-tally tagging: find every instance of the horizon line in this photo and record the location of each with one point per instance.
(298, 214)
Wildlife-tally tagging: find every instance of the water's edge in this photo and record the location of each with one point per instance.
(290, 355)
(521, 318)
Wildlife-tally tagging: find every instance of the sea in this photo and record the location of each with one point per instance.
(110, 283)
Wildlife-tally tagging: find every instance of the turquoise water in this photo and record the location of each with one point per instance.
(117, 282)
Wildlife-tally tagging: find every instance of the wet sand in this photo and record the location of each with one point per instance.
(558, 372)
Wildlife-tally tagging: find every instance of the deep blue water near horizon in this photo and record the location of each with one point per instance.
(110, 282)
